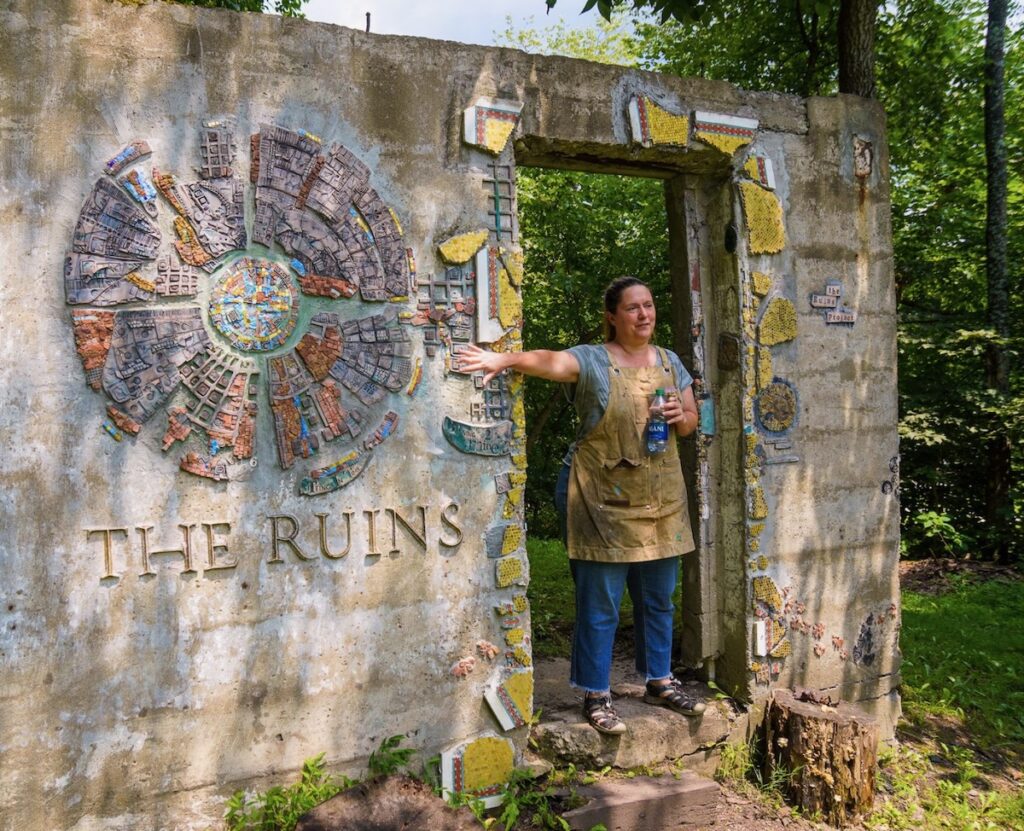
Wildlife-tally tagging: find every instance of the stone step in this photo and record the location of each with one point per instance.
(662, 803)
(653, 734)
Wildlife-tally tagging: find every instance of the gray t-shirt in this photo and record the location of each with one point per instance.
(589, 395)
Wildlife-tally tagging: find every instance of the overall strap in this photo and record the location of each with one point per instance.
(666, 366)
(613, 365)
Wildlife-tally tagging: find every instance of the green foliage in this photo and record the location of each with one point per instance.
(285, 8)
(930, 78)
(526, 797)
(933, 531)
(279, 808)
(914, 800)
(784, 46)
(964, 658)
(579, 232)
(685, 11)
(390, 758)
(552, 601)
(610, 42)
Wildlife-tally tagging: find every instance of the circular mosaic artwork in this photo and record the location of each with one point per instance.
(775, 406)
(149, 253)
(254, 305)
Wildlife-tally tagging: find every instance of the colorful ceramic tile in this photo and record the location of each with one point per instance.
(508, 571)
(762, 214)
(776, 406)
(336, 475)
(129, 155)
(489, 123)
(459, 249)
(512, 700)
(777, 323)
(254, 305)
(652, 124)
(759, 168)
(483, 440)
(727, 133)
(480, 768)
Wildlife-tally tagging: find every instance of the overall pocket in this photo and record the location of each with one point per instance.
(625, 482)
(669, 485)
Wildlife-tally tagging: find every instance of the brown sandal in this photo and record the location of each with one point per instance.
(600, 714)
(670, 693)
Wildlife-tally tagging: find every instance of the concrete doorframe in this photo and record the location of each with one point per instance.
(703, 276)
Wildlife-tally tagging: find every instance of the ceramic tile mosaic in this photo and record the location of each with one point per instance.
(775, 406)
(759, 168)
(211, 221)
(141, 189)
(501, 189)
(132, 153)
(778, 322)
(147, 348)
(758, 503)
(461, 248)
(508, 572)
(483, 440)
(480, 768)
(727, 133)
(222, 388)
(254, 304)
(489, 123)
(217, 149)
(762, 213)
(336, 475)
(651, 124)
(313, 205)
(760, 283)
(511, 701)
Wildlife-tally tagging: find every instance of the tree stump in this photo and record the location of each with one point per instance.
(828, 754)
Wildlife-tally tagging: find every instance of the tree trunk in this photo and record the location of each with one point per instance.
(827, 755)
(997, 364)
(857, 46)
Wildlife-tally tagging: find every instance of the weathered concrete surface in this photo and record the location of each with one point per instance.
(653, 734)
(664, 803)
(144, 699)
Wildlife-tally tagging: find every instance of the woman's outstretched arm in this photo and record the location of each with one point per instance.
(541, 363)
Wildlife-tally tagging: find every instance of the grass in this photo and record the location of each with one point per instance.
(964, 659)
(552, 600)
(552, 604)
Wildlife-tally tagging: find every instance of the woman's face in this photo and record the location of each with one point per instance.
(635, 316)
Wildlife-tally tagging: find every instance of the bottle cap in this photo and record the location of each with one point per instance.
(659, 391)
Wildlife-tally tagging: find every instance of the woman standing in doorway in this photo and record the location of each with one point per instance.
(625, 508)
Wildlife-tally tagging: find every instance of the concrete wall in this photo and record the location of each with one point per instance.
(141, 687)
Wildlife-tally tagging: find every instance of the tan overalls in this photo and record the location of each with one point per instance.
(626, 506)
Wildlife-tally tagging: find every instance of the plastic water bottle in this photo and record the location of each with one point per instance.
(657, 427)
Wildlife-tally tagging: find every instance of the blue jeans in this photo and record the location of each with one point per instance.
(599, 588)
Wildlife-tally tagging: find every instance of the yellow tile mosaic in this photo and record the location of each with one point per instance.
(762, 213)
(460, 248)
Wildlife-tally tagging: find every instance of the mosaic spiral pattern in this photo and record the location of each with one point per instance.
(205, 315)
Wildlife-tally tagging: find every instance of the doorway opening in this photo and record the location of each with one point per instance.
(580, 230)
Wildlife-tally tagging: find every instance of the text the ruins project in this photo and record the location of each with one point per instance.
(253, 511)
